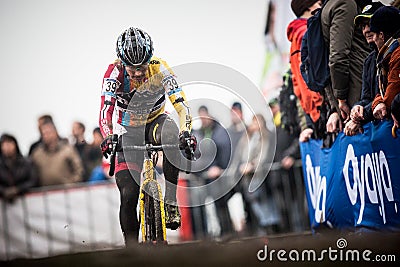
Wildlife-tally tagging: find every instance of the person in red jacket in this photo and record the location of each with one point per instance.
(309, 100)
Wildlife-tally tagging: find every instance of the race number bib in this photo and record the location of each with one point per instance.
(110, 85)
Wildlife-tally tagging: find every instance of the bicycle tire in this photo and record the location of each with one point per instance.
(152, 213)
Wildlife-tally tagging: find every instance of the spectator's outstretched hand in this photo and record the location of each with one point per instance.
(380, 111)
(357, 113)
(305, 135)
(352, 128)
(334, 124)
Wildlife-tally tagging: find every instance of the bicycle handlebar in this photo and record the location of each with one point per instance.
(150, 147)
(146, 147)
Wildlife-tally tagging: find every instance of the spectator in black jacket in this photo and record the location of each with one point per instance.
(361, 112)
(16, 172)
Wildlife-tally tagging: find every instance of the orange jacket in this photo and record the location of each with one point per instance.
(309, 100)
(389, 73)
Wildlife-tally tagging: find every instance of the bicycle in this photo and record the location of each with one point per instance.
(151, 203)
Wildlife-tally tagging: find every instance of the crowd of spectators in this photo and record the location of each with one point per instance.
(235, 161)
(51, 160)
(362, 37)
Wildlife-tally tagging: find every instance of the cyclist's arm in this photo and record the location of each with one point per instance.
(108, 97)
(177, 98)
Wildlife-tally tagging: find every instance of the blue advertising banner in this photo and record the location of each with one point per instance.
(356, 182)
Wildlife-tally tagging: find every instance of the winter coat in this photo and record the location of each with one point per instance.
(61, 166)
(309, 100)
(348, 48)
(18, 173)
(388, 64)
(369, 86)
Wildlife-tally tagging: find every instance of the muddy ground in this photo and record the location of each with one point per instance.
(297, 249)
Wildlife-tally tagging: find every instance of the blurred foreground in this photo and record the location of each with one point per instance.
(243, 252)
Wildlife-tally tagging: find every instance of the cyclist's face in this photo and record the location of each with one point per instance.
(137, 73)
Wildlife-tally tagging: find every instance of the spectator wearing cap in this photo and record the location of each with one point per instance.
(310, 101)
(275, 109)
(347, 51)
(361, 112)
(385, 24)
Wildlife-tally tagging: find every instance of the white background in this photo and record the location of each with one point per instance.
(54, 53)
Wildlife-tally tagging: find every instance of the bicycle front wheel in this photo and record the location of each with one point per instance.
(154, 218)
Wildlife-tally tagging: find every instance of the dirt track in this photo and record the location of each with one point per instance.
(237, 252)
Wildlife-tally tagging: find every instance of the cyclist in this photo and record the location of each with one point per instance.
(134, 90)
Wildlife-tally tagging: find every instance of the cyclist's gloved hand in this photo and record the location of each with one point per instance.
(106, 146)
(187, 142)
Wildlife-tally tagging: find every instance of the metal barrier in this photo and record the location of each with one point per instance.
(291, 197)
(283, 187)
(57, 220)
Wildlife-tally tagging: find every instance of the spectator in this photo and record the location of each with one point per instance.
(90, 156)
(310, 101)
(286, 153)
(41, 120)
(214, 164)
(94, 160)
(57, 161)
(361, 112)
(348, 49)
(100, 172)
(78, 134)
(17, 174)
(275, 109)
(238, 127)
(254, 150)
(235, 131)
(385, 24)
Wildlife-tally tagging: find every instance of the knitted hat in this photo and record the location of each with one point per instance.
(387, 20)
(367, 12)
(300, 6)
